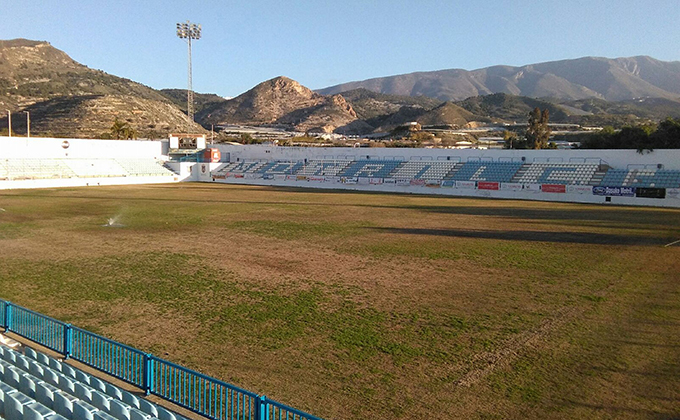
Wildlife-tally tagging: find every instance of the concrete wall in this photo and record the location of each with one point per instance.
(672, 200)
(38, 147)
(620, 159)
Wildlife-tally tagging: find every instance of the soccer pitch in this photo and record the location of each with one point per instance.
(360, 305)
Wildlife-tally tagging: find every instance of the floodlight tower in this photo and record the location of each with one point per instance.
(189, 31)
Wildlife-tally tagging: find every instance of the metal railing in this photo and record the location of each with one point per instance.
(116, 359)
(192, 390)
(36, 327)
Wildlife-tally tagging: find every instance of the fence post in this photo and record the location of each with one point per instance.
(148, 373)
(8, 316)
(68, 341)
(262, 409)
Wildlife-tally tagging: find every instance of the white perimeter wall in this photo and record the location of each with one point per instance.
(619, 159)
(39, 147)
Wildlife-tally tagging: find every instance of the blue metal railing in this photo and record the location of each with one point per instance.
(195, 391)
(116, 359)
(277, 411)
(202, 394)
(37, 327)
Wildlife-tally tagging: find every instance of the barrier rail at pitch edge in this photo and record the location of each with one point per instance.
(195, 391)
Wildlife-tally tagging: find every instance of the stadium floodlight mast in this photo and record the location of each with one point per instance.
(28, 123)
(189, 31)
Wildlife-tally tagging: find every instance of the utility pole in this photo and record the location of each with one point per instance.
(9, 121)
(28, 124)
(189, 31)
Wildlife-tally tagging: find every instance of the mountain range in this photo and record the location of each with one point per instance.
(66, 98)
(588, 77)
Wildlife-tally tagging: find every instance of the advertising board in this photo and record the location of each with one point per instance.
(614, 191)
(650, 192)
(486, 185)
(536, 188)
(467, 185)
(579, 189)
(673, 193)
(509, 186)
(554, 188)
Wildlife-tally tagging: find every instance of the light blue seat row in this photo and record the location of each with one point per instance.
(487, 171)
(641, 178)
(69, 393)
(370, 168)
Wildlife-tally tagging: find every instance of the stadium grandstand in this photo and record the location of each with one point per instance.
(557, 175)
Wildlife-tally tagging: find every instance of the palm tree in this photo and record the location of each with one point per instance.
(122, 130)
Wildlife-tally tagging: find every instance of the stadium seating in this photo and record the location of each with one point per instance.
(143, 167)
(35, 169)
(280, 168)
(34, 386)
(658, 178)
(487, 171)
(370, 168)
(93, 168)
(323, 167)
(240, 167)
(430, 171)
(569, 173)
(557, 173)
(18, 169)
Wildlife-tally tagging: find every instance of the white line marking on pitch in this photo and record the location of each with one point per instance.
(672, 243)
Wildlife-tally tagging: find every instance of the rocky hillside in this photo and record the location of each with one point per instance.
(91, 116)
(201, 100)
(504, 107)
(283, 102)
(611, 79)
(67, 98)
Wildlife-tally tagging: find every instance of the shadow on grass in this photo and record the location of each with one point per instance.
(617, 411)
(532, 236)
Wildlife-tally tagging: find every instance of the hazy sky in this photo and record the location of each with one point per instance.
(321, 43)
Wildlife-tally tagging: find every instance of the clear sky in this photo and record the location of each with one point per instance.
(323, 42)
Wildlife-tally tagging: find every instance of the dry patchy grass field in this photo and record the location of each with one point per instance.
(353, 306)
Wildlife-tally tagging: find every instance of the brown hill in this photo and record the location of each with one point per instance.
(71, 99)
(449, 114)
(285, 102)
(91, 116)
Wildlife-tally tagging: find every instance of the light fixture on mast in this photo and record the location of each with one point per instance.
(189, 31)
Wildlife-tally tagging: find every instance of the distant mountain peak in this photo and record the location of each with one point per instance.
(283, 101)
(22, 42)
(586, 77)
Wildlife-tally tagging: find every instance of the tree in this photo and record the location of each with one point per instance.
(538, 132)
(122, 130)
(667, 134)
(514, 141)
